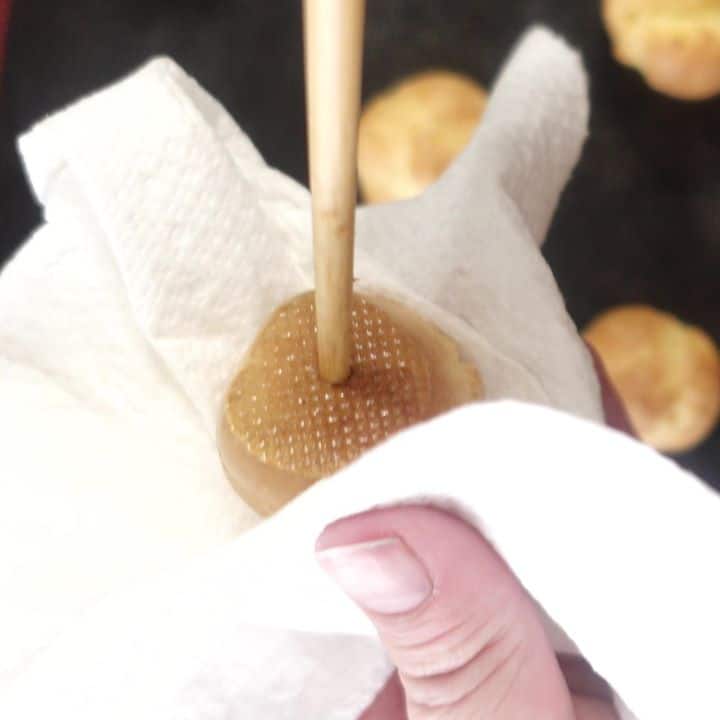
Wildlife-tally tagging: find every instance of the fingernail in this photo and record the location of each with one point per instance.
(383, 576)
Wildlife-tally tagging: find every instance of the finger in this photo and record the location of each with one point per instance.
(616, 416)
(591, 695)
(582, 680)
(389, 704)
(587, 708)
(462, 632)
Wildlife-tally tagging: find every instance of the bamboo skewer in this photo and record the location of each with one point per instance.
(278, 434)
(334, 32)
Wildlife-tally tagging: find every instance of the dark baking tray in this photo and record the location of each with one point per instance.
(640, 221)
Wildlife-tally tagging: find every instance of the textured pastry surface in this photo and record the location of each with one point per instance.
(291, 419)
(675, 44)
(410, 133)
(667, 373)
(283, 427)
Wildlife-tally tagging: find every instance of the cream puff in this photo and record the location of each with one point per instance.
(667, 373)
(675, 44)
(282, 427)
(410, 133)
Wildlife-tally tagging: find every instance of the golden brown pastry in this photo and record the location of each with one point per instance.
(410, 133)
(675, 44)
(666, 372)
(282, 427)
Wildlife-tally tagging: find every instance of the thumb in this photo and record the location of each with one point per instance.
(464, 635)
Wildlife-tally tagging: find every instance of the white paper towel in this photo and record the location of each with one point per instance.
(167, 243)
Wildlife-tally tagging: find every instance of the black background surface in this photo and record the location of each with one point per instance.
(640, 220)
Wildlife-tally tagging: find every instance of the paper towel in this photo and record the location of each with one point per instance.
(167, 243)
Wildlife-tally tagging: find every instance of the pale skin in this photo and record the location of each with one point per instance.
(467, 641)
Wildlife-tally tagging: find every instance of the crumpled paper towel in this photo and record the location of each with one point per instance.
(127, 588)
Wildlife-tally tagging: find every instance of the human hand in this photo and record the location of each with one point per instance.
(465, 637)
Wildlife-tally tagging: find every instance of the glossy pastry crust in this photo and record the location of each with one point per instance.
(283, 428)
(410, 133)
(666, 372)
(675, 44)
